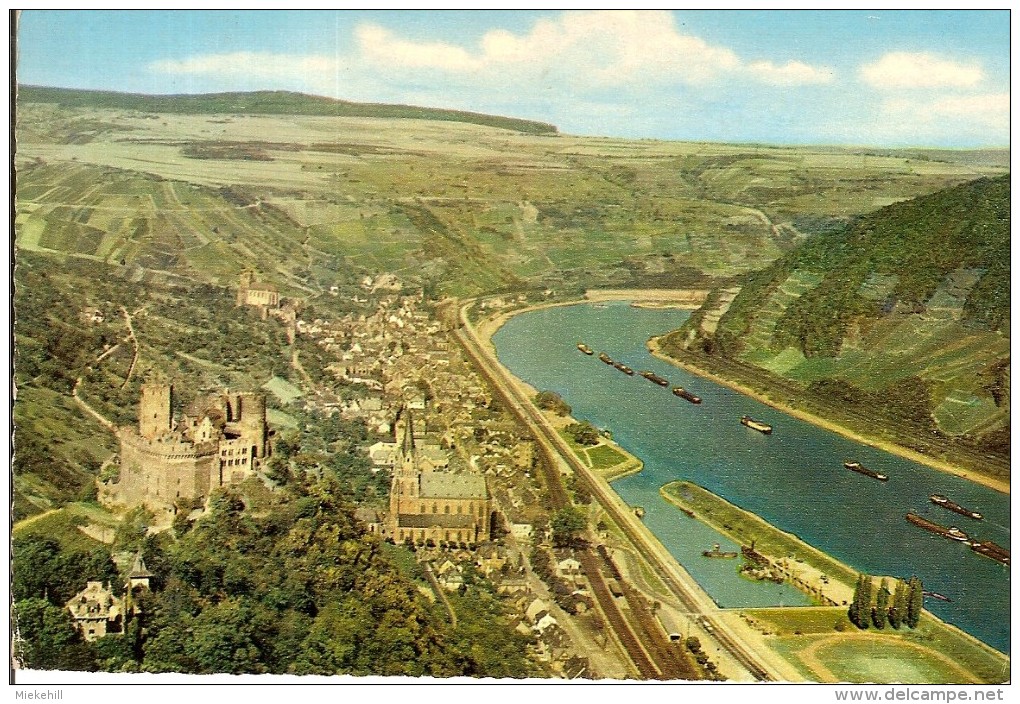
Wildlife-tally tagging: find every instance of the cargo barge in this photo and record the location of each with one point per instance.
(605, 358)
(685, 394)
(952, 533)
(585, 348)
(944, 502)
(992, 550)
(717, 552)
(753, 424)
(624, 368)
(655, 378)
(861, 469)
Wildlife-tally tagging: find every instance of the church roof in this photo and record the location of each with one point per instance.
(446, 485)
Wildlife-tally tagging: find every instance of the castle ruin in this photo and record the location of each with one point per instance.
(219, 440)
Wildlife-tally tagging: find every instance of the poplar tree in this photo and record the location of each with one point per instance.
(860, 610)
(915, 602)
(865, 605)
(853, 613)
(881, 614)
(899, 606)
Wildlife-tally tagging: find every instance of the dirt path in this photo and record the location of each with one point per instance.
(25, 522)
(441, 593)
(89, 409)
(296, 363)
(134, 342)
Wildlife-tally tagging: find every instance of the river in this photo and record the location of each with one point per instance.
(794, 478)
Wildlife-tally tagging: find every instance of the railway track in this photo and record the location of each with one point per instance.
(607, 603)
(661, 662)
(668, 656)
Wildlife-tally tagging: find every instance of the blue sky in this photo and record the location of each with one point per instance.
(908, 78)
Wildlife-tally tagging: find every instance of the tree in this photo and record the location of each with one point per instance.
(583, 433)
(881, 613)
(898, 612)
(860, 610)
(552, 401)
(566, 524)
(866, 599)
(45, 571)
(915, 601)
(46, 638)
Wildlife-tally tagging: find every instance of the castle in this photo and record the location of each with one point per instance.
(219, 440)
(428, 503)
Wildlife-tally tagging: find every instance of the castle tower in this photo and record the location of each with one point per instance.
(154, 411)
(251, 420)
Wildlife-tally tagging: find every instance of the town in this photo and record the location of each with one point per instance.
(466, 495)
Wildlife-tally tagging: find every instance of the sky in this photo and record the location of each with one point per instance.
(865, 77)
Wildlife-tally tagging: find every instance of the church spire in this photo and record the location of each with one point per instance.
(407, 443)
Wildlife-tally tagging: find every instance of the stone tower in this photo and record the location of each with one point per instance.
(251, 420)
(154, 411)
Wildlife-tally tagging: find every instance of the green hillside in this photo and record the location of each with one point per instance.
(266, 103)
(906, 311)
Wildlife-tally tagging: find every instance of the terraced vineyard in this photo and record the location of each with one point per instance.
(465, 207)
(764, 324)
(120, 218)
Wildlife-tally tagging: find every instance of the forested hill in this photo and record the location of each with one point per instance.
(904, 310)
(930, 253)
(266, 103)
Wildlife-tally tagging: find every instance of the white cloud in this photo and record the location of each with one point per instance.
(793, 73)
(903, 70)
(379, 45)
(979, 119)
(580, 52)
(992, 108)
(248, 63)
(598, 48)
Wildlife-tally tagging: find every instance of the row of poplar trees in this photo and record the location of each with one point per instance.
(900, 607)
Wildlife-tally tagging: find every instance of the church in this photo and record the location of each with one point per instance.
(428, 502)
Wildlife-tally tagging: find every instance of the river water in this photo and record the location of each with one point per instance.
(794, 478)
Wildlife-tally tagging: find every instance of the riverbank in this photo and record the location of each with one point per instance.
(687, 298)
(884, 445)
(682, 299)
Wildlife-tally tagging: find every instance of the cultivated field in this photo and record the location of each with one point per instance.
(466, 207)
